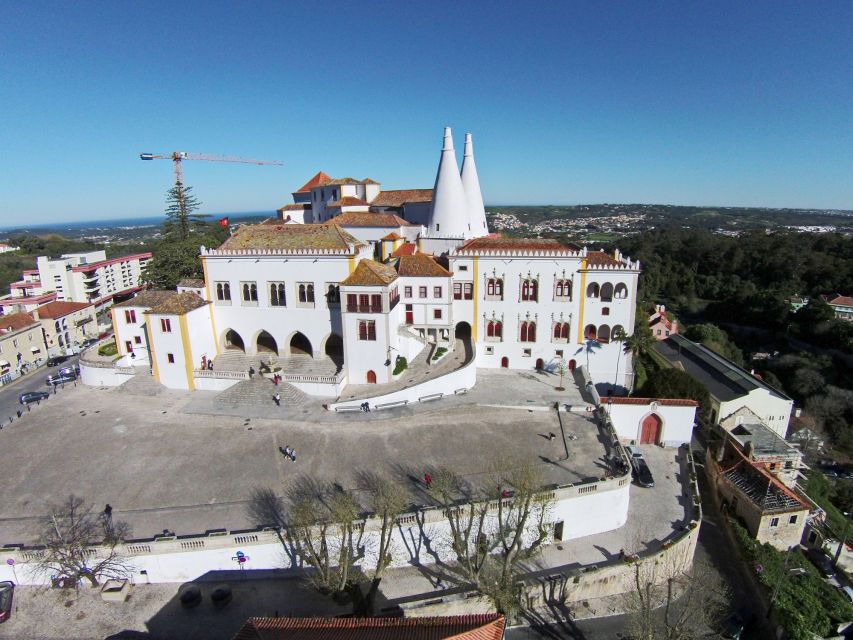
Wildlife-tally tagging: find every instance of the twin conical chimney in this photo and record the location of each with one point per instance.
(448, 212)
(471, 185)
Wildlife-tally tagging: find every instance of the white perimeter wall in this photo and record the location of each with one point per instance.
(677, 421)
(102, 376)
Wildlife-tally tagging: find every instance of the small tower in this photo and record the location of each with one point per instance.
(448, 215)
(471, 185)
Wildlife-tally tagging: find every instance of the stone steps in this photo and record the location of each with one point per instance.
(141, 384)
(260, 392)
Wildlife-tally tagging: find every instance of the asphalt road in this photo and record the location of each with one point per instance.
(33, 381)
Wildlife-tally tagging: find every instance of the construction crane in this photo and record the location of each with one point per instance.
(177, 157)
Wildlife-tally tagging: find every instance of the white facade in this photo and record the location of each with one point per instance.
(773, 409)
(672, 420)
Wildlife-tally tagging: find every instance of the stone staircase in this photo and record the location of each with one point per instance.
(259, 392)
(141, 384)
(299, 364)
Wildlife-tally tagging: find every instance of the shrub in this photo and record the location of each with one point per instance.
(439, 352)
(401, 365)
(108, 349)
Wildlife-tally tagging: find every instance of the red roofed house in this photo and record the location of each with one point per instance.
(21, 343)
(660, 325)
(667, 422)
(489, 626)
(67, 325)
(842, 305)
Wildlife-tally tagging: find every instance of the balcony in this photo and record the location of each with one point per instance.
(364, 308)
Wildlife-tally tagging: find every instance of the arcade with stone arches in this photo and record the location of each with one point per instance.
(296, 344)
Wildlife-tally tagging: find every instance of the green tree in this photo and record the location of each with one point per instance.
(181, 219)
(716, 340)
(619, 337)
(674, 383)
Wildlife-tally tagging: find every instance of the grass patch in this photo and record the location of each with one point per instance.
(438, 353)
(401, 365)
(108, 349)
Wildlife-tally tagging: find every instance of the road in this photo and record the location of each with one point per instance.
(34, 381)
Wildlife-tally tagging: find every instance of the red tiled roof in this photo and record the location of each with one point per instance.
(295, 207)
(667, 402)
(61, 308)
(405, 249)
(16, 321)
(43, 297)
(599, 259)
(369, 273)
(318, 180)
(400, 197)
(841, 300)
(420, 265)
(391, 236)
(497, 243)
(368, 219)
(489, 626)
(348, 201)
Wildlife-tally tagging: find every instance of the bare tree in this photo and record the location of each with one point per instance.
(668, 603)
(387, 500)
(561, 368)
(81, 545)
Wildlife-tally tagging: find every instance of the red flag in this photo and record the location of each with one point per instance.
(223, 222)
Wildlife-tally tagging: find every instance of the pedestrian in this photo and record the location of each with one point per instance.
(251, 372)
(285, 452)
(552, 435)
(427, 480)
(505, 493)
(277, 398)
(210, 365)
(293, 455)
(275, 379)
(367, 407)
(108, 511)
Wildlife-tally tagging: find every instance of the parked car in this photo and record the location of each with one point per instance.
(60, 378)
(52, 361)
(69, 371)
(33, 396)
(847, 592)
(820, 560)
(634, 454)
(643, 474)
(7, 591)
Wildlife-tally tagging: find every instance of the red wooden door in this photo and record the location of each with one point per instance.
(572, 365)
(505, 362)
(540, 364)
(128, 345)
(650, 430)
(371, 377)
(410, 315)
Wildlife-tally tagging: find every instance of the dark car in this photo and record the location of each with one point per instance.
(55, 360)
(69, 371)
(33, 396)
(821, 561)
(7, 590)
(643, 474)
(60, 378)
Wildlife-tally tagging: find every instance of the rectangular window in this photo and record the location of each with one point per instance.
(376, 303)
(558, 353)
(490, 351)
(367, 330)
(605, 311)
(165, 325)
(436, 314)
(171, 358)
(436, 292)
(137, 339)
(792, 520)
(463, 267)
(468, 288)
(774, 522)
(352, 302)
(223, 291)
(130, 317)
(422, 292)
(526, 353)
(457, 290)
(278, 294)
(407, 292)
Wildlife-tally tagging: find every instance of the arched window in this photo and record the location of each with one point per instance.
(223, 291)
(604, 334)
(620, 292)
(528, 332)
(529, 290)
(495, 288)
(561, 331)
(592, 290)
(618, 330)
(310, 293)
(606, 292)
(277, 294)
(563, 290)
(333, 294)
(303, 296)
(250, 292)
(494, 329)
(589, 332)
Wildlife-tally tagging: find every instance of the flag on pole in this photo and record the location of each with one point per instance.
(223, 222)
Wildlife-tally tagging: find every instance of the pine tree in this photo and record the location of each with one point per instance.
(181, 218)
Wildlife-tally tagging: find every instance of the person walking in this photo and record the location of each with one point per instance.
(293, 455)
(427, 480)
(251, 372)
(275, 379)
(277, 399)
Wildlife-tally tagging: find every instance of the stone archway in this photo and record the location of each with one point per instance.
(233, 341)
(334, 349)
(463, 331)
(300, 345)
(650, 429)
(265, 343)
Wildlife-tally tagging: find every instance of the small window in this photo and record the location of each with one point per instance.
(165, 325)
(774, 522)
(463, 267)
(457, 290)
(436, 314)
(407, 292)
(436, 292)
(367, 330)
(526, 353)
(792, 520)
(130, 317)
(605, 311)
(422, 292)
(468, 289)
(558, 353)
(490, 351)
(137, 339)
(171, 358)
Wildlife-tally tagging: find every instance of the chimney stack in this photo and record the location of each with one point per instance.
(471, 184)
(448, 215)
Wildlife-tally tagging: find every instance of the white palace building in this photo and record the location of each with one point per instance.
(350, 279)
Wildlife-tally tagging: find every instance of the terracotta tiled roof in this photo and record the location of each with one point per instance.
(195, 283)
(400, 197)
(392, 236)
(16, 322)
(300, 238)
(348, 201)
(489, 626)
(667, 402)
(405, 249)
(497, 244)
(147, 299)
(369, 273)
(342, 181)
(295, 207)
(841, 300)
(179, 304)
(60, 308)
(318, 180)
(601, 259)
(368, 219)
(420, 265)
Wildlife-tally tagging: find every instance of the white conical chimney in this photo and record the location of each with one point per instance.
(471, 185)
(448, 214)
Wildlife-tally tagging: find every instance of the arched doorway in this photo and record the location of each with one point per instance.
(334, 349)
(572, 364)
(505, 363)
(371, 377)
(300, 345)
(265, 343)
(234, 341)
(650, 429)
(463, 331)
(540, 364)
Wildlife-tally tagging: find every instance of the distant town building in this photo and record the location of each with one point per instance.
(661, 326)
(729, 386)
(842, 305)
(66, 325)
(21, 343)
(76, 277)
(5, 248)
(797, 302)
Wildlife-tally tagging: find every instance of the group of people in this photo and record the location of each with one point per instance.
(206, 365)
(288, 452)
(365, 406)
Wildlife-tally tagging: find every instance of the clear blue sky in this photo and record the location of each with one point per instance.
(740, 103)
